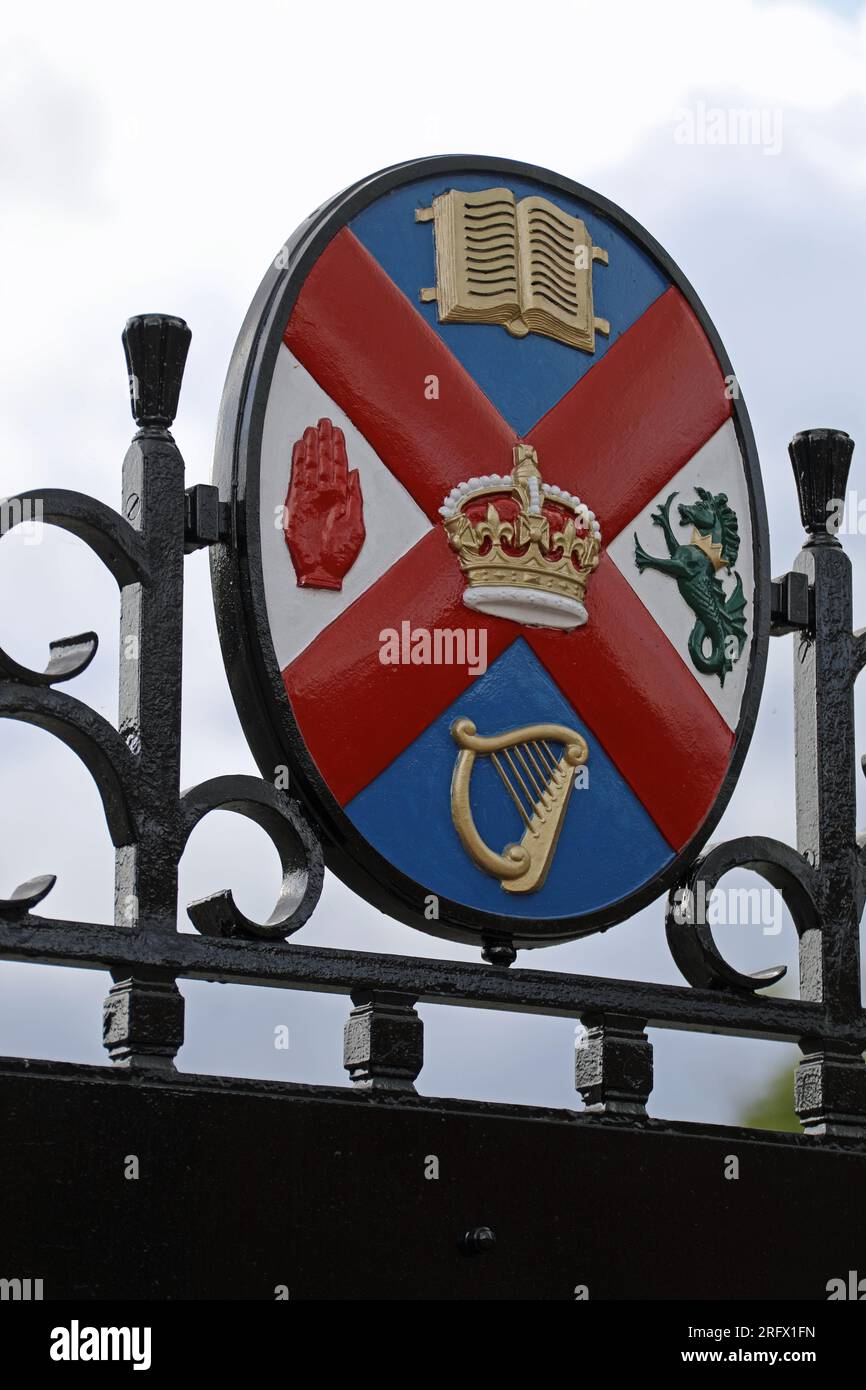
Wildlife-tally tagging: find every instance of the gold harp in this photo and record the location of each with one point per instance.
(538, 782)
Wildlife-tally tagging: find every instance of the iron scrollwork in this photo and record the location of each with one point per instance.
(136, 766)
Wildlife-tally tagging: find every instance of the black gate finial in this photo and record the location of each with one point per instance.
(156, 346)
(821, 460)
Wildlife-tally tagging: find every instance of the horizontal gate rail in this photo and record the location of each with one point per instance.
(330, 971)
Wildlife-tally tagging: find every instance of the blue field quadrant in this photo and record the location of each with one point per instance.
(523, 377)
(609, 844)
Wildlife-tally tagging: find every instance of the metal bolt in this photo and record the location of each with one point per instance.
(478, 1241)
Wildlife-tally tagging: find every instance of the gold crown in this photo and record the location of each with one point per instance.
(528, 556)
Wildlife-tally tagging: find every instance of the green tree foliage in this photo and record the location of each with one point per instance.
(775, 1108)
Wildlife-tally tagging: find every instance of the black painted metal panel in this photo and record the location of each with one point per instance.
(246, 1185)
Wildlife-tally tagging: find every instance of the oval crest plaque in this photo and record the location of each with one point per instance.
(497, 593)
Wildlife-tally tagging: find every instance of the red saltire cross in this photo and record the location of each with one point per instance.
(614, 439)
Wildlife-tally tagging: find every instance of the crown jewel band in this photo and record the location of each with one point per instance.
(527, 548)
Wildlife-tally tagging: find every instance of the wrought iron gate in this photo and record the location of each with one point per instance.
(304, 1217)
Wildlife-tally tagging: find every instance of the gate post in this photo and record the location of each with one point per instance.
(143, 1013)
(831, 1081)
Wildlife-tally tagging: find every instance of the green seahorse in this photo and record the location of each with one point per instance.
(718, 620)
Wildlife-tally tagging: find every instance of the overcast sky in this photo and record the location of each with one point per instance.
(155, 160)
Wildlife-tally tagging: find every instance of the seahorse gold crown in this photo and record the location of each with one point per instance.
(527, 548)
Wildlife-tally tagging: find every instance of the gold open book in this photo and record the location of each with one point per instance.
(526, 265)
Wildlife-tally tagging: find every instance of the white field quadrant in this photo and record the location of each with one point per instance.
(717, 466)
(393, 520)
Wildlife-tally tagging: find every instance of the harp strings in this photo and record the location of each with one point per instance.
(535, 775)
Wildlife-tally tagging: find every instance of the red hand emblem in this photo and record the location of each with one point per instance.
(324, 515)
